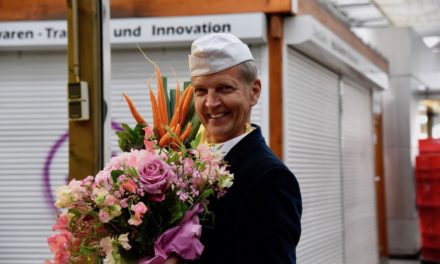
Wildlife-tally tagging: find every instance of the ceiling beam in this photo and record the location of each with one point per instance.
(56, 9)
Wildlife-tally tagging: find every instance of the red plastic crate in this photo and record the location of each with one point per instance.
(429, 220)
(428, 162)
(431, 254)
(431, 241)
(428, 192)
(422, 174)
(429, 145)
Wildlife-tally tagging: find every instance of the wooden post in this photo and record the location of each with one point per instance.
(275, 43)
(86, 137)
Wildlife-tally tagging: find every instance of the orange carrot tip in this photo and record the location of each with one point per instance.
(139, 119)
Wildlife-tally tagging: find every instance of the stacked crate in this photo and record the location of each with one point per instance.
(428, 197)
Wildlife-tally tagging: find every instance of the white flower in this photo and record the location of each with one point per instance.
(123, 239)
(107, 246)
(226, 180)
(64, 198)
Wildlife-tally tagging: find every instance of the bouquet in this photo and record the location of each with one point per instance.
(146, 202)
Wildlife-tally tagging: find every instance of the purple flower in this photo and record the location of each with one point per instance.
(156, 177)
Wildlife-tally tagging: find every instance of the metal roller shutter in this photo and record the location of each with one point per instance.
(360, 228)
(312, 152)
(33, 123)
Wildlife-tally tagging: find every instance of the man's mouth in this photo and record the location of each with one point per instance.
(216, 116)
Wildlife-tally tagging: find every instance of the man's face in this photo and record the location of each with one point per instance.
(223, 103)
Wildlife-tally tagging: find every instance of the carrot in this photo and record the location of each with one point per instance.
(175, 119)
(161, 102)
(178, 130)
(185, 134)
(162, 108)
(156, 114)
(176, 104)
(186, 105)
(175, 141)
(166, 139)
(139, 119)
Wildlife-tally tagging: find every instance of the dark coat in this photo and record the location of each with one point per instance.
(258, 220)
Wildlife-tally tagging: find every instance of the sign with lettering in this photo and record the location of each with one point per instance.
(306, 33)
(251, 27)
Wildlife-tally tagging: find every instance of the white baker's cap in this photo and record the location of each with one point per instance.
(216, 52)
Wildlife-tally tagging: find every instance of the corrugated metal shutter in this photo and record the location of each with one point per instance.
(312, 152)
(33, 117)
(360, 228)
(33, 139)
(130, 73)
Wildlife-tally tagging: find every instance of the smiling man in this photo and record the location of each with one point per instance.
(258, 220)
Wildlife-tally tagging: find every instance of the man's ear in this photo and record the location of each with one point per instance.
(255, 92)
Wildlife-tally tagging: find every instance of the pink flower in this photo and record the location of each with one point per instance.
(110, 200)
(62, 222)
(148, 142)
(129, 186)
(59, 245)
(188, 165)
(148, 132)
(139, 210)
(149, 145)
(156, 177)
(107, 246)
(104, 216)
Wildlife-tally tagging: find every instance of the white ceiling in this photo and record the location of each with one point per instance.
(422, 15)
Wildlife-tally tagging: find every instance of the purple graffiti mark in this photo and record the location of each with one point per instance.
(46, 172)
(50, 200)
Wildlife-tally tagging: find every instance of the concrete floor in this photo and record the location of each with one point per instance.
(399, 261)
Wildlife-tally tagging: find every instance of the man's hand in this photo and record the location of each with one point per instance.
(172, 260)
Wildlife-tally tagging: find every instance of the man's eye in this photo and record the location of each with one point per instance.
(226, 89)
(199, 92)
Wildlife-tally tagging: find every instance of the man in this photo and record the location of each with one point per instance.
(258, 220)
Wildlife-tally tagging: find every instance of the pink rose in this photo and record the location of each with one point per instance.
(156, 177)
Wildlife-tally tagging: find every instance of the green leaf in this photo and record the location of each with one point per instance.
(131, 138)
(172, 103)
(86, 251)
(205, 194)
(186, 84)
(132, 171)
(178, 212)
(196, 141)
(167, 98)
(115, 174)
(75, 212)
(195, 129)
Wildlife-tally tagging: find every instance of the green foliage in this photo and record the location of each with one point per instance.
(196, 141)
(131, 138)
(116, 174)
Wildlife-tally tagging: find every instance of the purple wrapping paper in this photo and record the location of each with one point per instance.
(182, 240)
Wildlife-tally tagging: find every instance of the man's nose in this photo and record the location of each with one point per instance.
(212, 100)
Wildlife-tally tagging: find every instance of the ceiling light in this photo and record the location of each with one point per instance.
(431, 41)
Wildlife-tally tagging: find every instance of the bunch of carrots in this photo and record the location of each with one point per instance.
(169, 129)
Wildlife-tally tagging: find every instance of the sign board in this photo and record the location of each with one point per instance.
(250, 27)
(310, 36)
